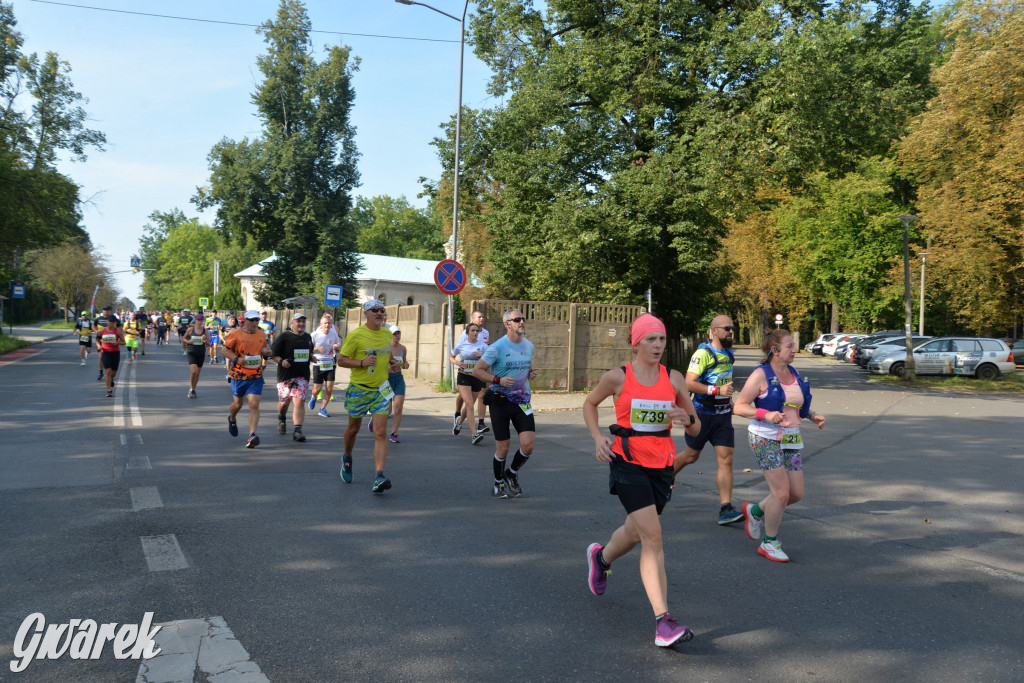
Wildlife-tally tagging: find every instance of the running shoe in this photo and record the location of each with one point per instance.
(297, 435)
(232, 427)
(754, 525)
(773, 551)
(191, 393)
(110, 394)
(728, 514)
(312, 402)
(668, 631)
(482, 428)
(323, 413)
(499, 490)
(83, 363)
(346, 470)
(597, 578)
(457, 427)
(253, 441)
(394, 438)
(281, 427)
(477, 438)
(380, 485)
(99, 376)
(113, 383)
(512, 484)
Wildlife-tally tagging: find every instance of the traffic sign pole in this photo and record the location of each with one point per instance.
(450, 278)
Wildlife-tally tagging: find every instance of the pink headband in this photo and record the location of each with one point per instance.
(643, 326)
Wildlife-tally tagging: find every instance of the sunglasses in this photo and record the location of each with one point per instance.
(727, 328)
(516, 320)
(376, 310)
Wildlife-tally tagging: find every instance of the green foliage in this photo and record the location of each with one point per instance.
(70, 272)
(393, 227)
(289, 189)
(10, 343)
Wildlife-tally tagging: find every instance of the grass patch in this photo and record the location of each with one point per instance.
(9, 343)
(59, 325)
(445, 386)
(1007, 383)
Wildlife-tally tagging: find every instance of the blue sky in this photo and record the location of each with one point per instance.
(165, 90)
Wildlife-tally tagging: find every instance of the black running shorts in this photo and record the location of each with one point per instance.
(505, 413)
(638, 487)
(111, 359)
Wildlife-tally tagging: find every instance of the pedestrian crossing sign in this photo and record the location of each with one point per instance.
(203, 302)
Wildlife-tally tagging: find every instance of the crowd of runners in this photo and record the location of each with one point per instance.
(639, 451)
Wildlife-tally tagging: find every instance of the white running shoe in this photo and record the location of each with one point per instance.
(773, 551)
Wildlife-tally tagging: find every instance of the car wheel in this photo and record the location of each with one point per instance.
(898, 369)
(987, 372)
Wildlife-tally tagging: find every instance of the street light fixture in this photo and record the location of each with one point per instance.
(908, 314)
(455, 172)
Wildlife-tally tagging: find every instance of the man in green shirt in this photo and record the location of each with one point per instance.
(367, 352)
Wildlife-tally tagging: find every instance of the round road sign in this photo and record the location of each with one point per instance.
(450, 276)
(778, 317)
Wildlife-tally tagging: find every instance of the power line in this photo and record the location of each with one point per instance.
(236, 23)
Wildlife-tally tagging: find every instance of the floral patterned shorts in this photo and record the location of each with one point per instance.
(771, 456)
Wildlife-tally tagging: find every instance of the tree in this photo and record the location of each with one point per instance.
(70, 272)
(290, 188)
(966, 153)
(393, 227)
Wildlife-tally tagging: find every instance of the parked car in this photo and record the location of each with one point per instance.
(815, 346)
(981, 357)
(1017, 347)
(882, 345)
(829, 348)
(842, 351)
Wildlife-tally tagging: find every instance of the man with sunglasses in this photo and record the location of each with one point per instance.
(507, 366)
(709, 379)
(367, 352)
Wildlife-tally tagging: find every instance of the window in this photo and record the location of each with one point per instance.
(966, 345)
(991, 345)
(936, 346)
(409, 302)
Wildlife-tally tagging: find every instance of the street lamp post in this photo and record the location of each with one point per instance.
(920, 310)
(908, 314)
(455, 170)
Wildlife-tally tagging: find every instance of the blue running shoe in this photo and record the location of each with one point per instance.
(346, 470)
(729, 515)
(380, 485)
(323, 412)
(312, 402)
(232, 427)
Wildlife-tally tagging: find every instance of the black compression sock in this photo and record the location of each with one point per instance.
(499, 469)
(518, 460)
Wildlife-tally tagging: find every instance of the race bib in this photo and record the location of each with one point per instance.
(300, 355)
(109, 338)
(792, 439)
(252, 361)
(386, 392)
(527, 408)
(326, 365)
(649, 416)
(470, 364)
(197, 341)
(84, 337)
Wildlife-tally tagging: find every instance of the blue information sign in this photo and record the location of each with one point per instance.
(332, 295)
(136, 262)
(18, 291)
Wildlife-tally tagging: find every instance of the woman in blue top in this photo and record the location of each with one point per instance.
(776, 399)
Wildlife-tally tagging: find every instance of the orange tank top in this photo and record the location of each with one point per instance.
(644, 408)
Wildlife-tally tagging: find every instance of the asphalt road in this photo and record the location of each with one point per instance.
(907, 553)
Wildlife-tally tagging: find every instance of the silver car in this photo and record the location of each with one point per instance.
(981, 357)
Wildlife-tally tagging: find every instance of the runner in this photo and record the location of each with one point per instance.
(213, 325)
(98, 324)
(150, 329)
(291, 351)
(85, 329)
(196, 341)
(649, 399)
(109, 340)
(709, 379)
(477, 318)
(143, 321)
(246, 350)
(397, 380)
(776, 398)
(268, 327)
(184, 320)
(161, 330)
(465, 356)
(230, 326)
(367, 351)
(507, 366)
(133, 329)
(326, 345)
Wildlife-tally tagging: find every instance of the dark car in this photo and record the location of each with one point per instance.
(1017, 349)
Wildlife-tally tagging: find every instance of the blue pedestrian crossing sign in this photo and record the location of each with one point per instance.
(204, 302)
(332, 295)
(136, 262)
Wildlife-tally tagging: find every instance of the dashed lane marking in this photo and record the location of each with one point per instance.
(145, 498)
(199, 649)
(163, 553)
(138, 462)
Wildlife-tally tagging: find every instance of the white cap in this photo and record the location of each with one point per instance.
(394, 328)
(373, 303)
(251, 315)
(299, 315)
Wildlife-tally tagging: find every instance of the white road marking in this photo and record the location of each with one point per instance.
(138, 439)
(145, 498)
(206, 645)
(124, 439)
(163, 553)
(138, 462)
(133, 398)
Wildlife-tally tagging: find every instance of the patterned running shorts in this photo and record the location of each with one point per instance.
(770, 455)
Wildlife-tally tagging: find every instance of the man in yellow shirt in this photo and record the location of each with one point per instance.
(367, 351)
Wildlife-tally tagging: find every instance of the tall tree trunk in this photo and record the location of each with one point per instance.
(834, 328)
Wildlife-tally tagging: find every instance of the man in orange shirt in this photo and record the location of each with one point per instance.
(245, 350)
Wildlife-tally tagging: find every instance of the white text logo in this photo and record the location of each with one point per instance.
(81, 639)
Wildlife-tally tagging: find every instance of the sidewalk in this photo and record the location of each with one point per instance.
(34, 333)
